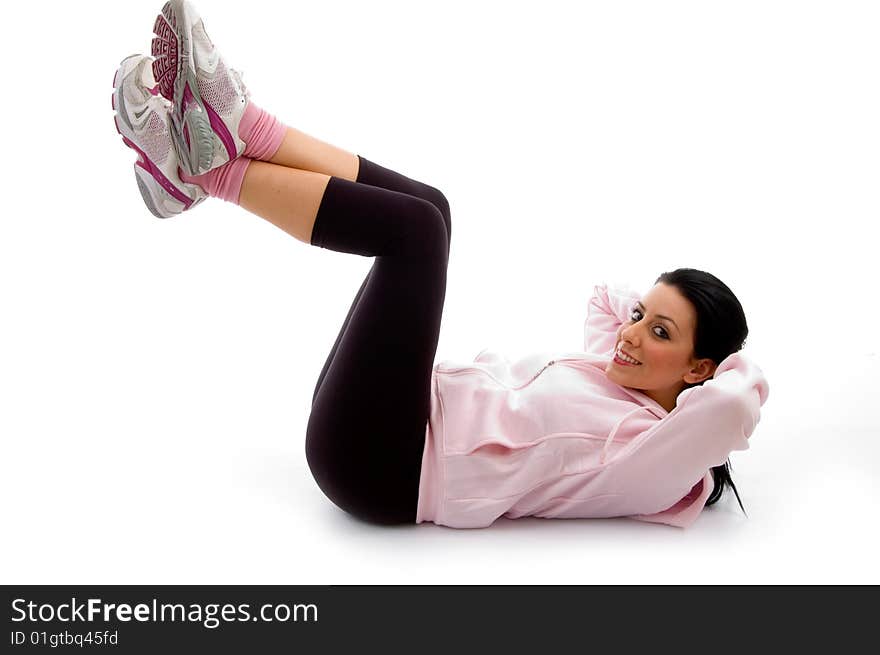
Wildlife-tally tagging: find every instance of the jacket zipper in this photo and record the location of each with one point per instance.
(458, 369)
(535, 376)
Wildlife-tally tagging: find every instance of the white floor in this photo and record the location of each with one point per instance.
(155, 376)
(113, 499)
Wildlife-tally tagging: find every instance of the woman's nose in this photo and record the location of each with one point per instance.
(630, 335)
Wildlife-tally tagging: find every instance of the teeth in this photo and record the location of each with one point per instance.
(626, 357)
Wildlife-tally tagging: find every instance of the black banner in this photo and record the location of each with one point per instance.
(243, 619)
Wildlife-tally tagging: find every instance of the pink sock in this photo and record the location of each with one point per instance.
(222, 182)
(262, 134)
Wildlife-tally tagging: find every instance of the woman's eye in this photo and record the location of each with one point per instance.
(661, 333)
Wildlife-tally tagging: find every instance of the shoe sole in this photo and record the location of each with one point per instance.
(174, 69)
(160, 195)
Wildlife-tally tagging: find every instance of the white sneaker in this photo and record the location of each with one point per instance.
(208, 98)
(141, 117)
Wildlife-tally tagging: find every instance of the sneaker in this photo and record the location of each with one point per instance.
(208, 98)
(142, 118)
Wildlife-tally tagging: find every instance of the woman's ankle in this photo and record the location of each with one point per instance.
(261, 131)
(222, 182)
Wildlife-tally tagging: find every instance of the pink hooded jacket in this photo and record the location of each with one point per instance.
(551, 436)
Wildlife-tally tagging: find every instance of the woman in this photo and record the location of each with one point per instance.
(638, 425)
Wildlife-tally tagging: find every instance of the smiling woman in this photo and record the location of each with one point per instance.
(686, 325)
(393, 437)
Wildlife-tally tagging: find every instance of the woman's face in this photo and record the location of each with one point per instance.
(660, 335)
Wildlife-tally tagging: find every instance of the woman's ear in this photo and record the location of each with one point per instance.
(701, 370)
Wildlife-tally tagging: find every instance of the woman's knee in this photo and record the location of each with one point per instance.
(423, 228)
(436, 197)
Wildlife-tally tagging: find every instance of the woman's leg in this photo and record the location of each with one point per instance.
(376, 175)
(305, 152)
(295, 149)
(272, 141)
(286, 197)
(366, 431)
(269, 139)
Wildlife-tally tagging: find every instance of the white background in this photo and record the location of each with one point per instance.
(156, 376)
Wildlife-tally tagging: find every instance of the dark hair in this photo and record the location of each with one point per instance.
(721, 331)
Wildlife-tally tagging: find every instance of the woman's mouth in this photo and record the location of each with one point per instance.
(622, 359)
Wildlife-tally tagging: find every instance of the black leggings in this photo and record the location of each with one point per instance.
(366, 430)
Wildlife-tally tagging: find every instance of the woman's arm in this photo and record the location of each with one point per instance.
(662, 465)
(610, 306)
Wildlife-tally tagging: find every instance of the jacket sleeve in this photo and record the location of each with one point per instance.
(610, 306)
(662, 467)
